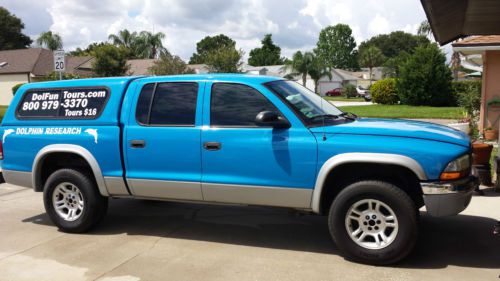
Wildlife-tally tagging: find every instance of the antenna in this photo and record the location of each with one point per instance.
(321, 106)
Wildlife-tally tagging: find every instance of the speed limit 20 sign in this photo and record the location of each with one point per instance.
(59, 64)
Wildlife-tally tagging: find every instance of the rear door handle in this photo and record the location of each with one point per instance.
(137, 143)
(212, 145)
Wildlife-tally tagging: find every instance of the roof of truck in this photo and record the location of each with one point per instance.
(126, 79)
(228, 77)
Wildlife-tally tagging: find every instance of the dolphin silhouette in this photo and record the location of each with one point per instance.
(6, 133)
(92, 132)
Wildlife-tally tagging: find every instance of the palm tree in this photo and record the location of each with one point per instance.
(318, 70)
(149, 45)
(424, 29)
(300, 65)
(456, 63)
(49, 40)
(371, 57)
(124, 38)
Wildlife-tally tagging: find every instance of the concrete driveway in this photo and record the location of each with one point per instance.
(147, 240)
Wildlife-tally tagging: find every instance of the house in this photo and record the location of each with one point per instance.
(339, 77)
(31, 65)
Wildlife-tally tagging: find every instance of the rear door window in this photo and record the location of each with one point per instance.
(69, 103)
(167, 104)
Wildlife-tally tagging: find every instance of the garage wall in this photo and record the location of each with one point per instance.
(7, 81)
(325, 86)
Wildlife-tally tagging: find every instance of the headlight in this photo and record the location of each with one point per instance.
(457, 168)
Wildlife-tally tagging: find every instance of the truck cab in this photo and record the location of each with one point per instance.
(238, 139)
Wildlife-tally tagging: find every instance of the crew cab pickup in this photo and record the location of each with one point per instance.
(250, 140)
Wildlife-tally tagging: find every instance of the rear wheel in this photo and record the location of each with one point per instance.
(72, 201)
(373, 222)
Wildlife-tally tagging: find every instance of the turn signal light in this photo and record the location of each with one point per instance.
(446, 176)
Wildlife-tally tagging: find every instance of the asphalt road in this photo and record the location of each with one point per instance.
(148, 240)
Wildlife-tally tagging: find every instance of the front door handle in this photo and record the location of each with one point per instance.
(212, 145)
(137, 143)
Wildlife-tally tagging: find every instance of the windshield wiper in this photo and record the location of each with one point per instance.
(324, 116)
(348, 115)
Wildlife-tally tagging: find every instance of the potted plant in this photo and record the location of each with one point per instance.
(490, 134)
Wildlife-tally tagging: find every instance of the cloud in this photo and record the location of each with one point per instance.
(295, 24)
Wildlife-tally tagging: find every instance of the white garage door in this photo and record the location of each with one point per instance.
(327, 86)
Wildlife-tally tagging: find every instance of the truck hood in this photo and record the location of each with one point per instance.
(397, 128)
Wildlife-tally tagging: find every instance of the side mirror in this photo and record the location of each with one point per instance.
(271, 119)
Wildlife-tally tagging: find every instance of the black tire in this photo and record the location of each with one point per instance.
(402, 206)
(95, 205)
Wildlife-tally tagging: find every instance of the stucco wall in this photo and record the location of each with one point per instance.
(7, 81)
(491, 88)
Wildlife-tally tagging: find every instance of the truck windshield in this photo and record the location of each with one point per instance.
(310, 107)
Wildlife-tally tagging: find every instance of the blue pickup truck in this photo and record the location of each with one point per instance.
(236, 139)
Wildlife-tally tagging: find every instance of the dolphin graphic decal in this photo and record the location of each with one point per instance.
(6, 133)
(92, 132)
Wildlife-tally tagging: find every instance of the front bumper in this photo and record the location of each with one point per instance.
(450, 197)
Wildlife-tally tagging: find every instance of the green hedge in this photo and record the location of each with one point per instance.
(384, 91)
(349, 91)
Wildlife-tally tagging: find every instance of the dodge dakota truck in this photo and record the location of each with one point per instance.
(235, 139)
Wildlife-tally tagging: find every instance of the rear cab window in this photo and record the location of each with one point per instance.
(167, 104)
(63, 103)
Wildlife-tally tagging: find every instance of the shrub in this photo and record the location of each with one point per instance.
(425, 79)
(384, 91)
(16, 87)
(349, 91)
(459, 88)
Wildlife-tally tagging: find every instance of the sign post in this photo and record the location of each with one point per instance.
(59, 62)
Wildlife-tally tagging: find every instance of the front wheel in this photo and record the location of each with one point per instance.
(72, 201)
(373, 222)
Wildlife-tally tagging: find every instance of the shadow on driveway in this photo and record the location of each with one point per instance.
(461, 240)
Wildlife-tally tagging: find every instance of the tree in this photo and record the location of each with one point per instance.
(268, 54)
(208, 45)
(318, 70)
(89, 51)
(110, 61)
(224, 60)
(50, 40)
(425, 79)
(424, 29)
(300, 64)
(394, 43)
(336, 47)
(170, 65)
(124, 38)
(148, 45)
(11, 36)
(371, 57)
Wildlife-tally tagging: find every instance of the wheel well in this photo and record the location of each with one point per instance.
(58, 160)
(345, 174)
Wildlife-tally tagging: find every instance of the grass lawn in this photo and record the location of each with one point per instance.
(342, 98)
(405, 111)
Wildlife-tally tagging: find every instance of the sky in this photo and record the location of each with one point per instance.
(295, 24)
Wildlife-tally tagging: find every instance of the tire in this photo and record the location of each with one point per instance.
(400, 233)
(75, 191)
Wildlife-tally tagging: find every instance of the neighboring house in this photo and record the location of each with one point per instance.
(339, 77)
(364, 76)
(31, 65)
(140, 66)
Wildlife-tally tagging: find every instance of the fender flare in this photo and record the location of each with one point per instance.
(67, 148)
(345, 158)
